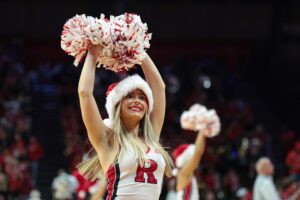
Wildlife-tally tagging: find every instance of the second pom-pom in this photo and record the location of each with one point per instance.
(199, 118)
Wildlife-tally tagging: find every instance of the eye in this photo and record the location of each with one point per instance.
(142, 97)
(128, 96)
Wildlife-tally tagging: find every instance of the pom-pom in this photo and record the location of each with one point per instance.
(124, 39)
(199, 118)
(129, 39)
(74, 38)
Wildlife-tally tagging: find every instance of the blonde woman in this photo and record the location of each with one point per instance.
(127, 143)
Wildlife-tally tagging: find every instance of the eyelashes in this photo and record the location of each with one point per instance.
(141, 96)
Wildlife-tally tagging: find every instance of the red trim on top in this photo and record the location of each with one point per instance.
(187, 192)
(111, 176)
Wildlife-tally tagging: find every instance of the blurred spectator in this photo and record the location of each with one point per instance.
(213, 180)
(243, 194)
(84, 185)
(264, 187)
(64, 186)
(231, 182)
(288, 138)
(293, 161)
(35, 152)
(3, 184)
(209, 195)
(34, 195)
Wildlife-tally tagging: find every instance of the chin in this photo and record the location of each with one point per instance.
(138, 116)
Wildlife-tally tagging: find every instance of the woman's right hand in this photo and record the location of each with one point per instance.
(95, 50)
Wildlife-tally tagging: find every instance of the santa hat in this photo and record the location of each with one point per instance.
(182, 154)
(117, 91)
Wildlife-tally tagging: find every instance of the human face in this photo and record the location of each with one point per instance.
(133, 106)
(269, 168)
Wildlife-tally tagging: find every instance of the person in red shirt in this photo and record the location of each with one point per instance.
(293, 160)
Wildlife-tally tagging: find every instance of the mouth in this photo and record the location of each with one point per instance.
(135, 108)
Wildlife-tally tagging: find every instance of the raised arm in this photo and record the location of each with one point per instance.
(157, 86)
(89, 109)
(186, 172)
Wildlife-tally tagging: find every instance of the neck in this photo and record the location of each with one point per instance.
(132, 127)
(266, 174)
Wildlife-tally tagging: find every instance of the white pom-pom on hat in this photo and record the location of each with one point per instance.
(122, 88)
(175, 171)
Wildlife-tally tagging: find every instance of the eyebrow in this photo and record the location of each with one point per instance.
(139, 92)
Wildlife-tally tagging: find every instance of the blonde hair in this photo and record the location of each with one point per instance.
(90, 167)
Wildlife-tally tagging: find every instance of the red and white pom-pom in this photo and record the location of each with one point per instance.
(124, 39)
(74, 39)
(98, 31)
(190, 120)
(129, 39)
(199, 118)
(213, 125)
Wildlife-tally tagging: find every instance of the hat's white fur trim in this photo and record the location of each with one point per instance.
(124, 87)
(185, 156)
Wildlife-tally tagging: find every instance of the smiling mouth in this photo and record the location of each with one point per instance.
(135, 108)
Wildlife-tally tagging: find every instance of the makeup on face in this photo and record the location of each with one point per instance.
(134, 104)
(136, 99)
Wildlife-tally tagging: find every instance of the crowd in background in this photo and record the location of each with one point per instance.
(227, 169)
(20, 150)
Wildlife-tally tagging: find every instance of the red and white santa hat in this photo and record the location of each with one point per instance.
(182, 154)
(117, 91)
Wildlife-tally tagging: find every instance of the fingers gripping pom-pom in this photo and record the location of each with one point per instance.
(199, 118)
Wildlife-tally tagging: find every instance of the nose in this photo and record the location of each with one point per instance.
(136, 100)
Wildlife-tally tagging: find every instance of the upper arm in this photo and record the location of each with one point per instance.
(158, 113)
(157, 86)
(92, 120)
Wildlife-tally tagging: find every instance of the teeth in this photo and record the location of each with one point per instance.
(135, 109)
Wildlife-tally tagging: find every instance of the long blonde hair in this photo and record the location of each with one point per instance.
(90, 167)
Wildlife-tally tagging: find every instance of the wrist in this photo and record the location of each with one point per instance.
(91, 56)
(146, 59)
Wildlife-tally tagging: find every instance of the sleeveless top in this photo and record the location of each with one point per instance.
(128, 180)
(190, 192)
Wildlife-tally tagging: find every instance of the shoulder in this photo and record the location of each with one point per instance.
(266, 182)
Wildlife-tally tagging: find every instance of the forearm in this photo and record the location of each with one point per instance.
(200, 143)
(87, 77)
(188, 169)
(152, 74)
